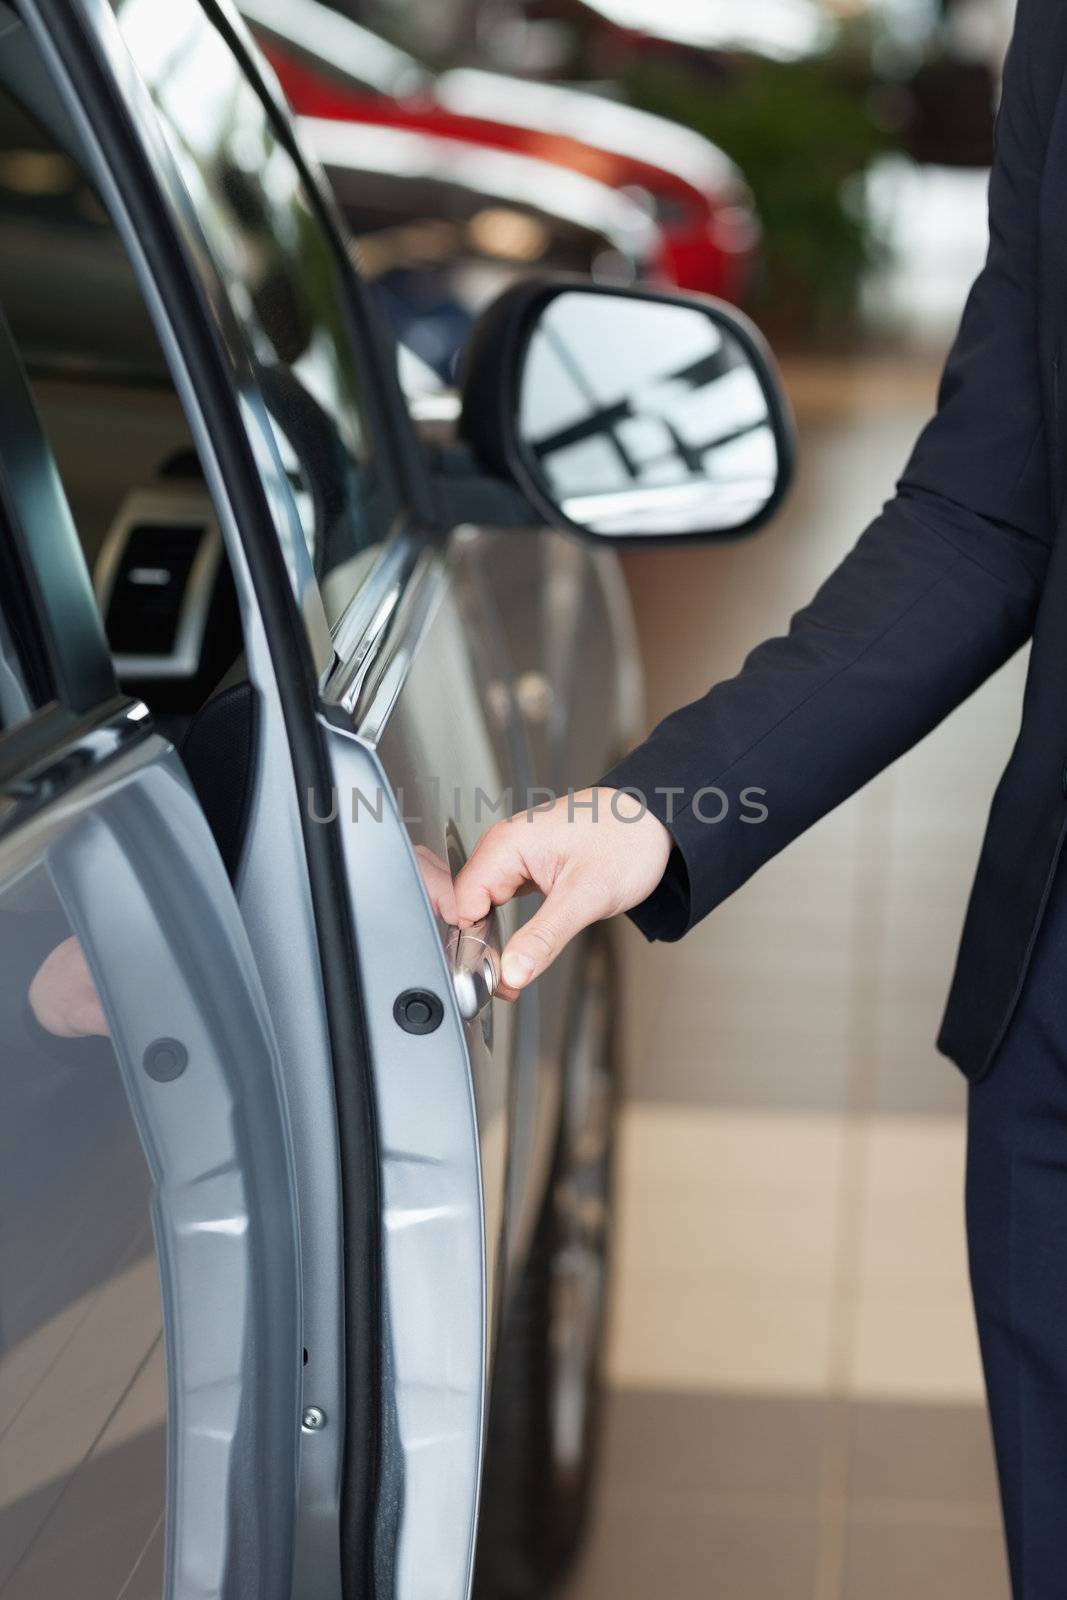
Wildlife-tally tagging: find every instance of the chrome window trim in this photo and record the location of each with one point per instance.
(366, 623)
(51, 768)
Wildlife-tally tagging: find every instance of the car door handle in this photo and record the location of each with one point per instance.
(474, 961)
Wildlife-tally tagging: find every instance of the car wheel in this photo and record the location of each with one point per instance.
(546, 1390)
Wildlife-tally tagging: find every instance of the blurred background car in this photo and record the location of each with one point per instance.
(440, 227)
(331, 67)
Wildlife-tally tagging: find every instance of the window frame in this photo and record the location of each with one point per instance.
(394, 441)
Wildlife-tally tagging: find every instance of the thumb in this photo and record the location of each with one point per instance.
(569, 907)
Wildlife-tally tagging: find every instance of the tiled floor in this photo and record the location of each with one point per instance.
(796, 1402)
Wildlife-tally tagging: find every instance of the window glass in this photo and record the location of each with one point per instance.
(82, 1380)
(15, 702)
(115, 428)
(83, 1395)
(283, 279)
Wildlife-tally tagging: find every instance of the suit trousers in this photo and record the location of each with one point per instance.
(1017, 1239)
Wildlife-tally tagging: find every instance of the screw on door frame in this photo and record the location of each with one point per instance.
(313, 1420)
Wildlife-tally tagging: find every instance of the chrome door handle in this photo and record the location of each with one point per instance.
(474, 961)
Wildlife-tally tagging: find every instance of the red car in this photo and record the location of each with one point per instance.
(330, 67)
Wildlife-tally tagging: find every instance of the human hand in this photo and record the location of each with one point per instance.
(438, 883)
(589, 864)
(63, 995)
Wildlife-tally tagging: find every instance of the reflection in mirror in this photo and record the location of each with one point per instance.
(645, 417)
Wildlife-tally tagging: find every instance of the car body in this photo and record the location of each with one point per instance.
(330, 67)
(303, 1230)
(617, 30)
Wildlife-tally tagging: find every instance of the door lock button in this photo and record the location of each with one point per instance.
(418, 1011)
(165, 1059)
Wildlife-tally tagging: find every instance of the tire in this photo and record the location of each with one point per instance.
(545, 1404)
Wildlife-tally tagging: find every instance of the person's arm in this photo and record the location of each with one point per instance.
(938, 593)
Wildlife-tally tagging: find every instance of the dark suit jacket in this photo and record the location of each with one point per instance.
(963, 565)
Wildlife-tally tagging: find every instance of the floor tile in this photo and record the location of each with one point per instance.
(913, 1242)
(678, 1335)
(915, 1351)
(703, 1446)
(924, 1453)
(905, 1561)
(694, 1555)
(671, 1148)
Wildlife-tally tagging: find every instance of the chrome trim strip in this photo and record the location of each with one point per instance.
(386, 671)
(378, 634)
(71, 761)
(365, 620)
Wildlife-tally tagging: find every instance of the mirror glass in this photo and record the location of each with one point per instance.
(644, 417)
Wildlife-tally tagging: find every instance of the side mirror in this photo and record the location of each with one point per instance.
(628, 414)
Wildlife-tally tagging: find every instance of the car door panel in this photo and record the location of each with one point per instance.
(417, 773)
(560, 618)
(125, 862)
(433, 1291)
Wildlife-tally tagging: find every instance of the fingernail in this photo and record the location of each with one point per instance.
(518, 970)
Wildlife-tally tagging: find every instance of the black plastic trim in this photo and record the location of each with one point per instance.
(418, 1011)
(46, 541)
(465, 493)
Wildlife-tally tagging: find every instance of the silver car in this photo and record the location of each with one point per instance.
(302, 1231)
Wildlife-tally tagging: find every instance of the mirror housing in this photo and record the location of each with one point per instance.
(630, 415)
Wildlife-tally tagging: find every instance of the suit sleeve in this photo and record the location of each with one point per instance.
(939, 591)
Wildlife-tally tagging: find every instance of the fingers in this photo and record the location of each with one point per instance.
(572, 904)
(495, 873)
(63, 995)
(586, 872)
(511, 859)
(438, 882)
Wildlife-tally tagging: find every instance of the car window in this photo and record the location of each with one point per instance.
(115, 429)
(82, 1380)
(83, 1391)
(282, 270)
(17, 700)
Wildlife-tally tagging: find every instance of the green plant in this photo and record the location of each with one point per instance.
(802, 132)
